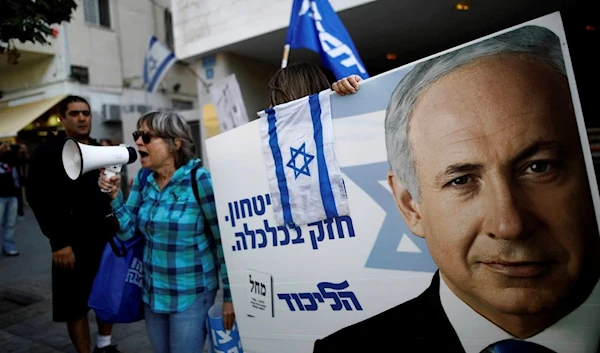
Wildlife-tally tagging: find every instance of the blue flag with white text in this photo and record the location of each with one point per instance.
(157, 61)
(314, 25)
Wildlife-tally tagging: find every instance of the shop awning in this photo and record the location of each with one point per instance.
(14, 119)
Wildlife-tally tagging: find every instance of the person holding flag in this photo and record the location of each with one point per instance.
(303, 79)
(303, 192)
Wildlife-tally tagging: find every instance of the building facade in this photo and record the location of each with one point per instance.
(98, 55)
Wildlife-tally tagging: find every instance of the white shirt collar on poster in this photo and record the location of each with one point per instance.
(574, 333)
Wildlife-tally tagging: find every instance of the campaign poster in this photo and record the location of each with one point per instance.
(507, 195)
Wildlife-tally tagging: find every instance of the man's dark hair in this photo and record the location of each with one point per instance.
(64, 104)
(296, 81)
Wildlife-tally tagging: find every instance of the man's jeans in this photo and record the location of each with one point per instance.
(8, 219)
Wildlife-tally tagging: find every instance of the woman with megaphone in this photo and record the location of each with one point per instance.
(171, 205)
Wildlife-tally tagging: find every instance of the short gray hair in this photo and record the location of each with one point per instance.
(171, 126)
(532, 42)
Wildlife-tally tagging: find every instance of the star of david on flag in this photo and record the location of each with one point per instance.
(157, 61)
(305, 181)
(306, 159)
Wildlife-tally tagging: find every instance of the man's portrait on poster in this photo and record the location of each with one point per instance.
(487, 165)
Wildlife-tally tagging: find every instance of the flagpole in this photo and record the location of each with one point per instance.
(198, 78)
(286, 53)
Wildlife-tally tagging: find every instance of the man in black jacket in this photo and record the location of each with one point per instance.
(73, 215)
(487, 166)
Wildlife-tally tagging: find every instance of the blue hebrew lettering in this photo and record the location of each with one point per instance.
(286, 240)
(312, 306)
(342, 300)
(231, 218)
(323, 286)
(240, 243)
(329, 224)
(314, 239)
(339, 221)
(248, 207)
(296, 298)
(251, 234)
(259, 211)
(298, 239)
(237, 210)
(288, 300)
(271, 230)
(349, 295)
(221, 337)
(318, 297)
(263, 236)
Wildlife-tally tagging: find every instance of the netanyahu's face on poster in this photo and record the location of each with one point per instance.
(503, 195)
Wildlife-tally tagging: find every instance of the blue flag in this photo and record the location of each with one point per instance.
(157, 61)
(314, 25)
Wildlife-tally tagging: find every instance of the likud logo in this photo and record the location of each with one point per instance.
(332, 295)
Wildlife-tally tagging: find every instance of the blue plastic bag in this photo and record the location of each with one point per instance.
(116, 295)
(222, 341)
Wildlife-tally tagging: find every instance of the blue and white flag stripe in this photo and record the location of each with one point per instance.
(305, 180)
(284, 195)
(324, 182)
(157, 61)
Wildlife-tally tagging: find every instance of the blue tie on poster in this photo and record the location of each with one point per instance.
(314, 25)
(221, 340)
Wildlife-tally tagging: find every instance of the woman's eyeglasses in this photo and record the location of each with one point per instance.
(145, 135)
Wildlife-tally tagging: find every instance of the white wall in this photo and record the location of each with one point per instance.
(252, 76)
(205, 25)
(26, 75)
(95, 48)
(38, 65)
(117, 54)
(114, 57)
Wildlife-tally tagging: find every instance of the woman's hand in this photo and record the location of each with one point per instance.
(347, 85)
(228, 315)
(110, 186)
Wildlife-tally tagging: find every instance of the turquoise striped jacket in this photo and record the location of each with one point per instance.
(178, 262)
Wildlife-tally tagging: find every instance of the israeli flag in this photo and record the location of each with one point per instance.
(314, 25)
(157, 62)
(304, 176)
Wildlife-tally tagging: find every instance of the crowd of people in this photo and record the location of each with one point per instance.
(518, 264)
(183, 256)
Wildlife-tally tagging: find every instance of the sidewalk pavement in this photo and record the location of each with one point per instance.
(26, 303)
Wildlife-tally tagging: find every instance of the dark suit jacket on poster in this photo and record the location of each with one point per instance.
(419, 325)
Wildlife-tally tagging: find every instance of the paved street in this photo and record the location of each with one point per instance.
(26, 307)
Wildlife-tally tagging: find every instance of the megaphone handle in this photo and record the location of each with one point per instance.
(111, 171)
